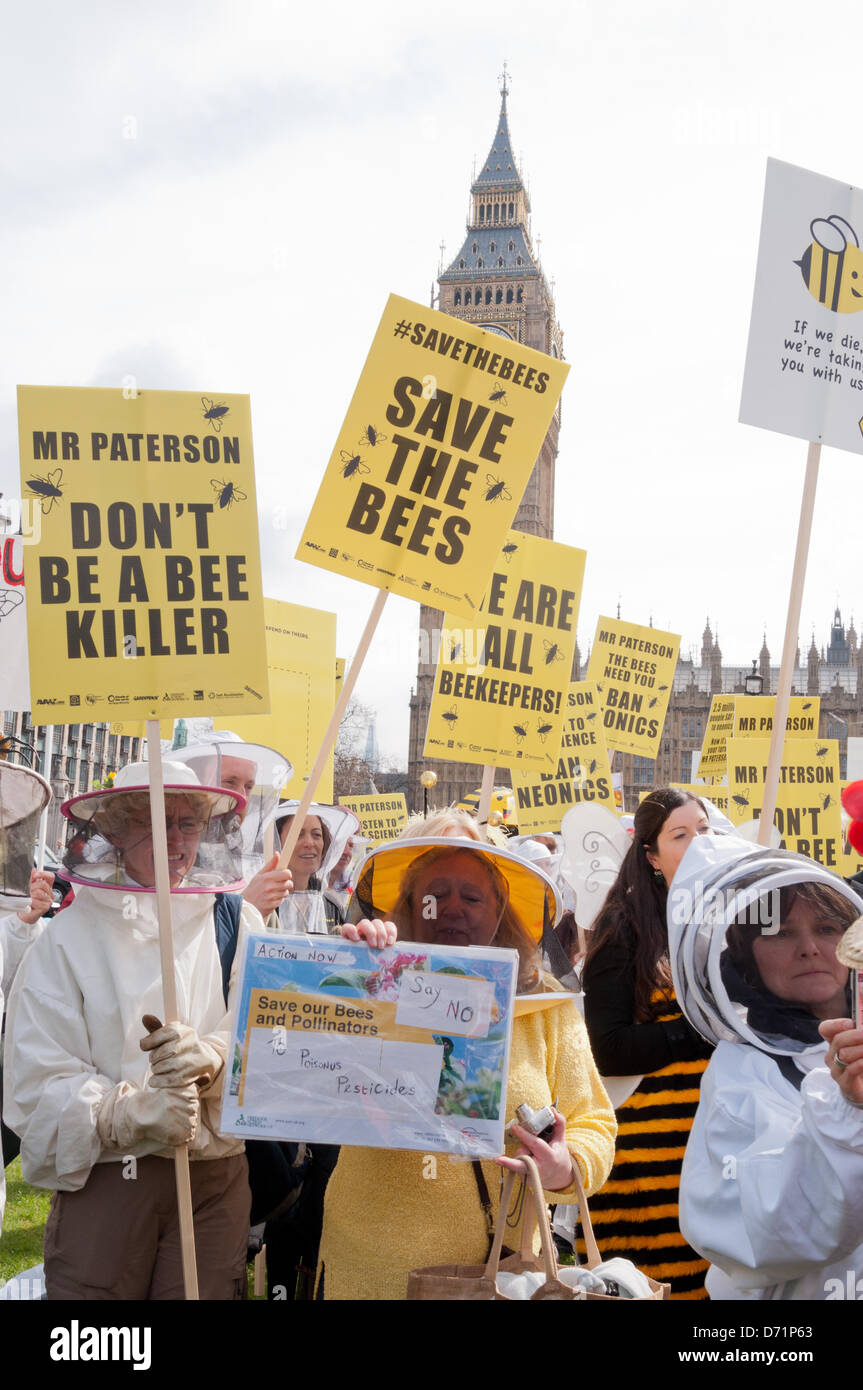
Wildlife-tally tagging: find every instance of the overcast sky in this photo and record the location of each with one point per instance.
(219, 197)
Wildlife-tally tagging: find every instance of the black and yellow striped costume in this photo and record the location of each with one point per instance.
(636, 1213)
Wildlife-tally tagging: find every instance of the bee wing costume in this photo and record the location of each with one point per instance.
(772, 1184)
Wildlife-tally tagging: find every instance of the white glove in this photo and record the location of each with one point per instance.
(178, 1055)
(168, 1118)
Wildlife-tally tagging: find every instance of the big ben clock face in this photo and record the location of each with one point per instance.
(496, 328)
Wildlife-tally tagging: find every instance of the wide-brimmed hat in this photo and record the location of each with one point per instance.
(23, 797)
(341, 824)
(135, 777)
(531, 894)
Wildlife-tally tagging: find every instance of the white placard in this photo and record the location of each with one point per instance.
(450, 1002)
(804, 363)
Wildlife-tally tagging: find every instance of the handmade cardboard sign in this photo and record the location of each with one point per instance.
(807, 804)
(301, 663)
(804, 363)
(753, 716)
(582, 772)
(406, 1048)
(381, 817)
(145, 581)
(720, 726)
(433, 456)
(633, 668)
(500, 685)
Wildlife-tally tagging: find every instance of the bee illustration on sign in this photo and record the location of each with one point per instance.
(373, 436)
(495, 490)
(498, 396)
(228, 492)
(827, 802)
(521, 731)
(454, 651)
(832, 265)
(509, 550)
(451, 716)
(48, 490)
(822, 752)
(9, 601)
(740, 800)
(352, 463)
(552, 651)
(214, 414)
(543, 731)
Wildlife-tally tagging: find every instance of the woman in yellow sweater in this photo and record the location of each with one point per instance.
(389, 1211)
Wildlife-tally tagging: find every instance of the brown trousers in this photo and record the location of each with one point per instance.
(119, 1237)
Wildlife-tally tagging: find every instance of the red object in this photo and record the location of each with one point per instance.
(852, 800)
(855, 835)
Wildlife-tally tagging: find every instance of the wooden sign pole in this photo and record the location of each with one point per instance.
(169, 990)
(331, 734)
(47, 759)
(792, 629)
(485, 791)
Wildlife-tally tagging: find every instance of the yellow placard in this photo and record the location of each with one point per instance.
(500, 686)
(807, 802)
(715, 793)
(432, 459)
(381, 817)
(720, 726)
(301, 657)
(634, 669)
(753, 716)
(144, 586)
(582, 773)
(135, 729)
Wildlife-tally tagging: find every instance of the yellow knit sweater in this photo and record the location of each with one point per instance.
(388, 1211)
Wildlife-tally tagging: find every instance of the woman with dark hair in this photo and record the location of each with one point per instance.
(641, 1041)
(772, 1185)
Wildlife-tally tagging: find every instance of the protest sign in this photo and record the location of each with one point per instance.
(145, 581)
(406, 1048)
(582, 773)
(753, 716)
(634, 669)
(14, 673)
(804, 362)
(500, 685)
(720, 725)
(433, 456)
(807, 811)
(301, 663)
(381, 817)
(133, 728)
(715, 793)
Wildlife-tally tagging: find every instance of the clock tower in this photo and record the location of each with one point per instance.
(497, 282)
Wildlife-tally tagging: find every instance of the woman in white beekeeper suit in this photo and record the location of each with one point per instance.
(257, 773)
(98, 1089)
(772, 1184)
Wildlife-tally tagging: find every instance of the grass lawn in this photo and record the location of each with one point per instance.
(23, 1224)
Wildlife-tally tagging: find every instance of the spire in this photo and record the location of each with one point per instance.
(852, 635)
(706, 644)
(764, 665)
(499, 168)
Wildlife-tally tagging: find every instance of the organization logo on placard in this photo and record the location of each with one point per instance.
(118, 699)
(74, 700)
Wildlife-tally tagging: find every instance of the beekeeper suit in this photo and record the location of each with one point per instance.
(100, 1104)
(772, 1183)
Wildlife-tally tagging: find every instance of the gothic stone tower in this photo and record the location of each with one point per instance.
(495, 281)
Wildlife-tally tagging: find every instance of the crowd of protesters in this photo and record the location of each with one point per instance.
(713, 1002)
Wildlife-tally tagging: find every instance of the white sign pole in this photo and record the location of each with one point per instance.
(331, 734)
(485, 792)
(169, 990)
(789, 650)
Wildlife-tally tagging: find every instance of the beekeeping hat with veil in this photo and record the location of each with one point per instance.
(222, 759)
(114, 823)
(23, 797)
(724, 893)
